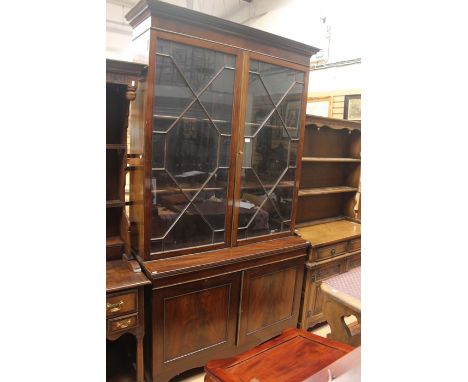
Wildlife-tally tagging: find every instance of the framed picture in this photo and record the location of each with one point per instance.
(352, 107)
(321, 106)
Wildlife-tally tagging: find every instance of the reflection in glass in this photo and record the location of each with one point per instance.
(191, 146)
(269, 160)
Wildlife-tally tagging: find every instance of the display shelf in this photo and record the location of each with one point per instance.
(326, 190)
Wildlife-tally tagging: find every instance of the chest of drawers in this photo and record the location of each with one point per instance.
(335, 248)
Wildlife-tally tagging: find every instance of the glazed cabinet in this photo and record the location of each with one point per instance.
(215, 150)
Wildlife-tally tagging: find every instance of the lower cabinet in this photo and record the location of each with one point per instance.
(315, 273)
(222, 315)
(270, 301)
(193, 321)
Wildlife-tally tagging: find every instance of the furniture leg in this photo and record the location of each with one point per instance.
(140, 371)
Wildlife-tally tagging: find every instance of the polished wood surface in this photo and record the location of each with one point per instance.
(211, 298)
(120, 276)
(270, 300)
(292, 357)
(331, 232)
(193, 322)
(190, 263)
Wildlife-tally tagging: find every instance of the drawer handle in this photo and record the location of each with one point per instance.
(333, 251)
(115, 307)
(123, 324)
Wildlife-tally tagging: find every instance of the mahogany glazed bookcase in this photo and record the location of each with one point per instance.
(215, 147)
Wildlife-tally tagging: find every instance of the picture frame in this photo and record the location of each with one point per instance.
(291, 116)
(352, 107)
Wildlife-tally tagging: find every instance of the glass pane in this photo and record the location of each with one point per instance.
(168, 201)
(252, 196)
(217, 100)
(158, 150)
(211, 201)
(290, 109)
(192, 149)
(293, 147)
(191, 146)
(270, 149)
(171, 95)
(198, 65)
(190, 230)
(258, 107)
(277, 79)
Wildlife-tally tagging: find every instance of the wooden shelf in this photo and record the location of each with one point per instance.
(114, 203)
(113, 241)
(326, 233)
(326, 190)
(334, 160)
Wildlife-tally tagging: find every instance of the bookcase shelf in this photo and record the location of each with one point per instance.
(326, 190)
(116, 162)
(331, 171)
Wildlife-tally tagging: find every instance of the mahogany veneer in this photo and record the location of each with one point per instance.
(295, 356)
(216, 132)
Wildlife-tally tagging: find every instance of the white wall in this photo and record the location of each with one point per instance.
(335, 79)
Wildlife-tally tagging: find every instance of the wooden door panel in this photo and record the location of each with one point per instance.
(190, 319)
(270, 300)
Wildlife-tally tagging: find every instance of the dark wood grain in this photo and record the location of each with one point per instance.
(190, 263)
(277, 359)
(120, 276)
(270, 300)
(192, 323)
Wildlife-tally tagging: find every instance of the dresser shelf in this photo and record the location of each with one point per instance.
(326, 190)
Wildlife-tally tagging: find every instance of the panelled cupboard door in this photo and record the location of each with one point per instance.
(270, 300)
(271, 137)
(191, 146)
(194, 322)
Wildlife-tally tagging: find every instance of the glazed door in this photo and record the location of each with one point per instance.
(191, 148)
(271, 131)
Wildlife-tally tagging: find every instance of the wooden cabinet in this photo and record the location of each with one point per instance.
(329, 206)
(124, 280)
(215, 145)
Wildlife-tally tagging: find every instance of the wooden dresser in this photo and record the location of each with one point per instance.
(329, 205)
(125, 281)
(216, 132)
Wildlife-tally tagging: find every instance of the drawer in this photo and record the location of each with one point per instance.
(354, 261)
(121, 323)
(354, 245)
(119, 304)
(328, 271)
(331, 250)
